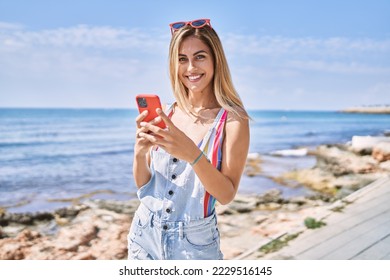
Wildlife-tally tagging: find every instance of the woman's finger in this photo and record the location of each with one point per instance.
(150, 137)
(141, 117)
(156, 120)
(165, 118)
(154, 129)
(141, 129)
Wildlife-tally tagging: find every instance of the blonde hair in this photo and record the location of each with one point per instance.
(225, 93)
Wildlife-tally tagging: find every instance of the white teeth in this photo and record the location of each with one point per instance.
(193, 78)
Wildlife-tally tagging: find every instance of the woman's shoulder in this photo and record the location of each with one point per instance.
(234, 118)
(236, 125)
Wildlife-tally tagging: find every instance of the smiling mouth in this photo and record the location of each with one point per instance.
(194, 78)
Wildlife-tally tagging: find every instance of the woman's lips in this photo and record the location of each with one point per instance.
(194, 78)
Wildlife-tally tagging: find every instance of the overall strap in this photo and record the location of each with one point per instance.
(169, 110)
(214, 134)
(212, 147)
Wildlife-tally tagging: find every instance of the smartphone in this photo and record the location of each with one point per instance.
(149, 102)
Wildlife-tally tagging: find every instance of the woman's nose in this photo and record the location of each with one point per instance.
(191, 66)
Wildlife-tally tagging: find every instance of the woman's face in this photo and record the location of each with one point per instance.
(196, 65)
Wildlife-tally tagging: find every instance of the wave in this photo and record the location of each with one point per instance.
(310, 134)
(28, 143)
(92, 153)
(56, 139)
(291, 152)
(61, 156)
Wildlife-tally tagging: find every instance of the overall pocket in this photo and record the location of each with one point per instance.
(202, 238)
(140, 222)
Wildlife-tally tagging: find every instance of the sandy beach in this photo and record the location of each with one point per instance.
(249, 226)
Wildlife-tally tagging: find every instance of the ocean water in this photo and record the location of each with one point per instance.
(50, 156)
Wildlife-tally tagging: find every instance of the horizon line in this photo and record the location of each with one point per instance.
(135, 108)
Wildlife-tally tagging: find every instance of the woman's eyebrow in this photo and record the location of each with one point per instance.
(196, 53)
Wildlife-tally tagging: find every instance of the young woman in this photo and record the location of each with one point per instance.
(181, 171)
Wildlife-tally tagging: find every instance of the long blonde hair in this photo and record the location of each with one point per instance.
(225, 93)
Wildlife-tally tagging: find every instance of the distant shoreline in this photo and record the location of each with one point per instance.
(368, 110)
(362, 109)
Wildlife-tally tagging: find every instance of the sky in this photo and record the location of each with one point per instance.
(289, 55)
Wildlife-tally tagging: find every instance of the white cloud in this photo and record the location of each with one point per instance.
(338, 67)
(81, 65)
(10, 26)
(276, 45)
(83, 36)
(79, 49)
(91, 65)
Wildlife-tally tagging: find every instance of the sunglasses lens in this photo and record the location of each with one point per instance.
(198, 23)
(178, 25)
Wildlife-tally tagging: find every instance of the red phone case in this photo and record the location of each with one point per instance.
(149, 102)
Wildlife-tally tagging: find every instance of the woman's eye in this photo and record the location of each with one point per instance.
(182, 59)
(200, 57)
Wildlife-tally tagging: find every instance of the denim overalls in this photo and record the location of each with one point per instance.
(176, 218)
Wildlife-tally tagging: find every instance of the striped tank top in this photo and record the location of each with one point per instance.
(174, 191)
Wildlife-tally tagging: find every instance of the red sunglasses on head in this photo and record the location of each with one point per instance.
(198, 23)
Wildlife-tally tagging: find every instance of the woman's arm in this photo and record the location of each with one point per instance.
(141, 170)
(141, 162)
(222, 184)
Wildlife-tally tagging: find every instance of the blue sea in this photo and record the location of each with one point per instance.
(50, 156)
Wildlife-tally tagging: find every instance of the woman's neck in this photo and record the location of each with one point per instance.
(201, 101)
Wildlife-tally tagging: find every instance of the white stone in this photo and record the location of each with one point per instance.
(360, 143)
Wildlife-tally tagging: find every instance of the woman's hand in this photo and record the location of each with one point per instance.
(171, 139)
(223, 184)
(141, 170)
(142, 144)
